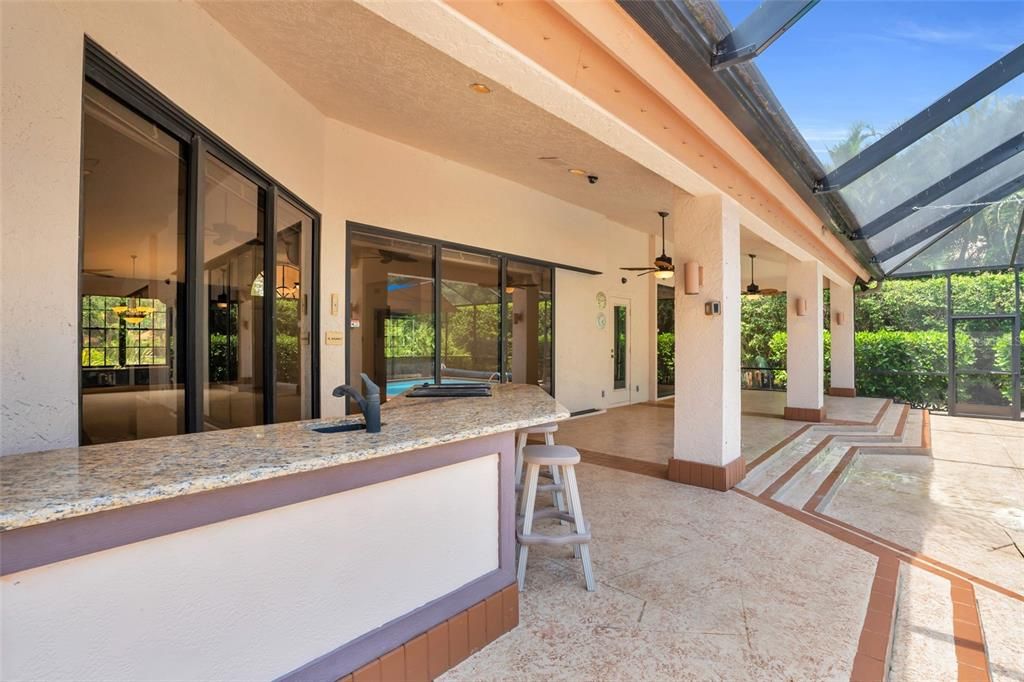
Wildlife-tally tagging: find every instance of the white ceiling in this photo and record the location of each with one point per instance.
(358, 68)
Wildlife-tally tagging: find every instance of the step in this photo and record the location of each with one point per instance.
(923, 647)
(762, 476)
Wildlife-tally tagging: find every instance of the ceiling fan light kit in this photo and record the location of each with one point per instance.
(662, 268)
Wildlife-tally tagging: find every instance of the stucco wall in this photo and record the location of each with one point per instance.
(257, 596)
(377, 181)
(344, 172)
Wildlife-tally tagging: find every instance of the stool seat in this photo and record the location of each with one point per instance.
(540, 428)
(551, 454)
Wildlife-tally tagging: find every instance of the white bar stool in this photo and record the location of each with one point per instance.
(555, 487)
(563, 459)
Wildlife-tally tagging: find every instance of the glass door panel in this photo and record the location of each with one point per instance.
(292, 319)
(529, 325)
(232, 355)
(391, 298)
(619, 352)
(666, 340)
(985, 374)
(470, 317)
(133, 264)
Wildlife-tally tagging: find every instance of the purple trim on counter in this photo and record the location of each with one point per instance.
(360, 651)
(47, 543)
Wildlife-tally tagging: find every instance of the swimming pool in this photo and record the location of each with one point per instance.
(396, 387)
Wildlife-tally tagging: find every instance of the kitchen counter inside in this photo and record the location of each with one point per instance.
(41, 487)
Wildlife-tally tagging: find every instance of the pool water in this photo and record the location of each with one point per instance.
(396, 387)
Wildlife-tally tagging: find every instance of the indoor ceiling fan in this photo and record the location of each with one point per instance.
(387, 256)
(662, 268)
(752, 288)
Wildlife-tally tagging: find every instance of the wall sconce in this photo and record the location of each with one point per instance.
(839, 318)
(693, 278)
(801, 307)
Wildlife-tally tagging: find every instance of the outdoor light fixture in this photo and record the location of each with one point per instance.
(801, 306)
(480, 88)
(839, 318)
(693, 278)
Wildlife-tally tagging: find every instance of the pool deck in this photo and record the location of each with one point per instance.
(888, 549)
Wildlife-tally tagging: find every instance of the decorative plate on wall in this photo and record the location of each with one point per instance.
(602, 321)
(602, 301)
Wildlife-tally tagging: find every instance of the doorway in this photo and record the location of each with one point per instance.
(665, 321)
(620, 343)
(978, 385)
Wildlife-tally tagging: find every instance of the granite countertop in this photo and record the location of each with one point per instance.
(57, 484)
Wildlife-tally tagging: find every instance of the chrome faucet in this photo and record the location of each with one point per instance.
(370, 405)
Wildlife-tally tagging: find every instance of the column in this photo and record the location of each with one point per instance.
(805, 349)
(706, 452)
(841, 325)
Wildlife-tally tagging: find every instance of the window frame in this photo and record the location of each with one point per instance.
(355, 228)
(103, 71)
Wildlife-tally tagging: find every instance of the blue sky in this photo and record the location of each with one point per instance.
(881, 62)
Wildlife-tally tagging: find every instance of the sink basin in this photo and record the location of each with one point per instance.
(340, 428)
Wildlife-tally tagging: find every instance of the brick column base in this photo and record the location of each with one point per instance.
(804, 414)
(707, 475)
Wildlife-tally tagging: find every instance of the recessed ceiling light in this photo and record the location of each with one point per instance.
(480, 88)
(577, 171)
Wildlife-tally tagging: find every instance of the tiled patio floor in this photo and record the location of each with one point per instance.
(851, 552)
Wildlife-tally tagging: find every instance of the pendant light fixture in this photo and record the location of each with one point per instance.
(133, 313)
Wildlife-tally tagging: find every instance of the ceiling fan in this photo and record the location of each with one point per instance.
(97, 272)
(752, 288)
(387, 256)
(662, 268)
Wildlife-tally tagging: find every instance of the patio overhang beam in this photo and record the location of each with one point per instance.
(947, 224)
(981, 164)
(758, 30)
(955, 102)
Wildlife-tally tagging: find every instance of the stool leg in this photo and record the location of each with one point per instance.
(558, 496)
(520, 444)
(549, 438)
(581, 525)
(529, 500)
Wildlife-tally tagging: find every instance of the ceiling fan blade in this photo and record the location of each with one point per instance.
(98, 273)
(648, 272)
(646, 267)
(770, 292)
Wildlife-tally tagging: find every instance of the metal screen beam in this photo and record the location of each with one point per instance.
(975, 88)
(761, 28)
(952, 220)
(983, 163)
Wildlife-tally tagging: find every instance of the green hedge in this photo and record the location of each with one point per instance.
(906, 366)
(666, 358)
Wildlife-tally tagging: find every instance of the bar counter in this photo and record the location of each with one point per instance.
(272, 552)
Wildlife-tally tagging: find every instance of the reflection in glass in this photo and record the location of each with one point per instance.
(133, 255)
(391, 295)
(619, 353)
(470, 317)
(666, 310)
(292, 357)
(232, 326)
(529, 323)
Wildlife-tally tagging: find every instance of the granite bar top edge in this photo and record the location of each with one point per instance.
(52, 508)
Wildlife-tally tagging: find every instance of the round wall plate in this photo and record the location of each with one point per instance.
(602, 321)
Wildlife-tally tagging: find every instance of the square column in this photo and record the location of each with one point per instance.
(841, 304)
(805, 345)
(706, 453)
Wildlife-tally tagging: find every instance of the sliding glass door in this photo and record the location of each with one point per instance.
(196, 275)
(422, 310)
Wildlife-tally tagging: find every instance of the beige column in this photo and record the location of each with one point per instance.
(841, 325)
(805, 350)
(706, 230)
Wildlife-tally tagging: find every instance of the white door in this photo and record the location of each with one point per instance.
(620, 340)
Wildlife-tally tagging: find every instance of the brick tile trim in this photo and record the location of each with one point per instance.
(707, 475)
(431, 653)
(804, 414)
(842, 392)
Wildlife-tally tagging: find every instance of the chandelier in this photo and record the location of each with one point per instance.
(133, 313)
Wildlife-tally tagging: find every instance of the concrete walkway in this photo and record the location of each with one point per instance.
(848, 552)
